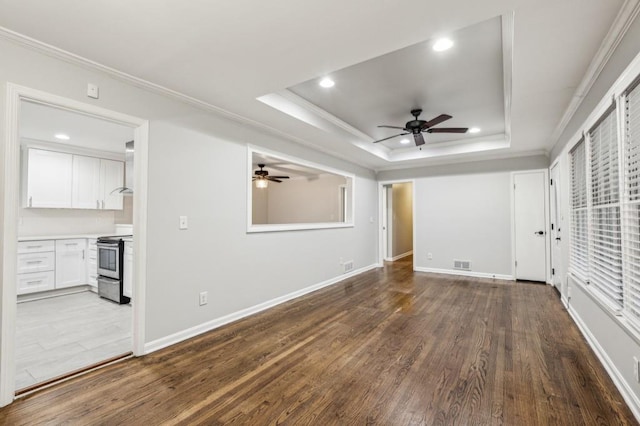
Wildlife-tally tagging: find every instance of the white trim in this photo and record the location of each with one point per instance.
(180, 336)
(400, 256)
(621, 24)
(618, 379)
(251, 228)
(16, 94)
(465, 273)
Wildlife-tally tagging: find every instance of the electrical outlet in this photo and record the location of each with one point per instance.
(204, 298)
(429, 256)
(348, 266)
(636, 372)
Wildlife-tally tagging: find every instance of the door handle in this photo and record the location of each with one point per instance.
(558, 239)
(539, 233)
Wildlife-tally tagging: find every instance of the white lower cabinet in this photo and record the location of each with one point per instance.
(36, 266)
(127, 276)
(70, 263)
(92, 263)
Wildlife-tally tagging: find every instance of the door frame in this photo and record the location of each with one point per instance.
(555, 253)
(381, 206)
(545, 173)
(11, 204)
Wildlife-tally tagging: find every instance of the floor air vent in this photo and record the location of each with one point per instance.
(464, 265)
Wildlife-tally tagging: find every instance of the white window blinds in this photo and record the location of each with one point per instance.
(605, 249)
(578, 260)
(631, 204)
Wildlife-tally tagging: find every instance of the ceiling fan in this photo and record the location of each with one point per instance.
(262, 177)
(417, 127)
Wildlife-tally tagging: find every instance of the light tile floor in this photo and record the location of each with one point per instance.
(57, 335)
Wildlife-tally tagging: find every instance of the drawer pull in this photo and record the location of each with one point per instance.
(34, 282)
(33, 261)
(70, 244)
(32, 247)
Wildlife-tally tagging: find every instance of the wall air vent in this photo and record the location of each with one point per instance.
(463, 265)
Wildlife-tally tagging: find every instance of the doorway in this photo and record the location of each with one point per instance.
(530, 218)
(16, 95)
(397, 220)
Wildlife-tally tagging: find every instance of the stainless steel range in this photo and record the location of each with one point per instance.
(110, 268)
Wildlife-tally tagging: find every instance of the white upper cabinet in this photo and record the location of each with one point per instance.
(111, 177)
(63, 180)
(86, 182)
(49, 176)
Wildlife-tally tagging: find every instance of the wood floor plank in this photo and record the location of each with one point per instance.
(388, 347)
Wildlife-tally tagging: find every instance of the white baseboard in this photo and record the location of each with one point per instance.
(172, 339)
(464, 273)
(400, 256)
(625, 390)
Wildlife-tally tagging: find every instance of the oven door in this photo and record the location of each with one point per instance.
(109, 259)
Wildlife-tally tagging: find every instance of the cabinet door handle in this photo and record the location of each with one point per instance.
(97, 204)
(102, 204)
(30, 201)
(82, 254)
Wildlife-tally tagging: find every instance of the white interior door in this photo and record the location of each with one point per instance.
(530, 226)
(556, 229)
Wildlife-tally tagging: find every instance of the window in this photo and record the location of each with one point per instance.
(605, 248)
(578, 260)
(631, 212)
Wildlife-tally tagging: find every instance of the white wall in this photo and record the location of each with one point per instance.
(464, 217)
(198, 168)
(402, 200)
(65, 222)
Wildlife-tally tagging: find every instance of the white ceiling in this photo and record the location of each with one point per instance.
(42, 123)
(230, 53)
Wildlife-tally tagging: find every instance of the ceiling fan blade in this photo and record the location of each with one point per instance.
(418, 138)
(280, 177)
(439, 119)
(254, 178)
(448, 130)
(272, 179)
(393, 127)
(390, 137)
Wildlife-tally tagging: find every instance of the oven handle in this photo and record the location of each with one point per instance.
(108, 244)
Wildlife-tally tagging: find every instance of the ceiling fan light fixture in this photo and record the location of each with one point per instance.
(475, 130)
(327, 83)
(405, 141)
(262, 183)
(442, 44)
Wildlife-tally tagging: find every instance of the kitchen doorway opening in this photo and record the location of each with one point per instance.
(397, 212)
(16, 201)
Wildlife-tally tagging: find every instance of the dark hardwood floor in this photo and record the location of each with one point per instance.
(388, 347)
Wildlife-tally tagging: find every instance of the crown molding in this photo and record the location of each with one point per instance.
(621, 24)
(72, 58)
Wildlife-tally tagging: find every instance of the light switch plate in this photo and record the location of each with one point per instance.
(93, 91)
(184, 224)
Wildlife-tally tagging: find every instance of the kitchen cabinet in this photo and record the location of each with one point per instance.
(92, 264)
(64, 180)
(36, 266)
(127, 278)
(70, 263)
(111, 177)
(86, 182)
(48, 179)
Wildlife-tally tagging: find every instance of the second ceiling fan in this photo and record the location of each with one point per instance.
(417, 127)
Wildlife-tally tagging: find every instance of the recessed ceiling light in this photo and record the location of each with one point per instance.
(404, 141)
(474, 130)
(327, 82)
(62, 136)
(442, 44)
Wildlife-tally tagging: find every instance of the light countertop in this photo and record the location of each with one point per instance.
(66, 237)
